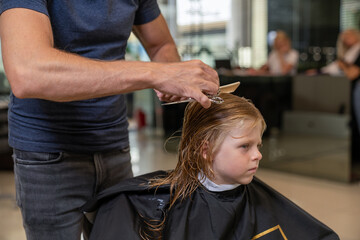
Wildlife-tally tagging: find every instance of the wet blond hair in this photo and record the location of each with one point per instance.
(204, 126)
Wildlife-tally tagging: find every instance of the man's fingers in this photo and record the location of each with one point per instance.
(197, 96)
(191, 79)
(211, 88)
(203, 100)
(168, 97)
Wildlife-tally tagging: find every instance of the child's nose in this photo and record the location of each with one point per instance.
(257, 155)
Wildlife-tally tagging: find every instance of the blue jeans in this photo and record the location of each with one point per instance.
(51, 187)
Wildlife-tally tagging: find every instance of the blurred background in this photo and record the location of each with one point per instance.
(311, 146)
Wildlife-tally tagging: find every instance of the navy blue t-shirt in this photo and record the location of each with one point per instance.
(97, 29)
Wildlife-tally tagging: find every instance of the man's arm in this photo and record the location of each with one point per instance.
(157, 40)
(160, 46)
(36, 69)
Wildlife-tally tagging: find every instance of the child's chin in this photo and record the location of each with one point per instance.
(247, 181)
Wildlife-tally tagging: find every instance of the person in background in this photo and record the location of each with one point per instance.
(212, 192)
(347, 63)
(348, 51)
(64, 60)
(282, 60)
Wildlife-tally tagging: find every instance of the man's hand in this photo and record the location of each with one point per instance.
(190, 79)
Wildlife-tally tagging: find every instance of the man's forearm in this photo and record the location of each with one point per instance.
(61, 76)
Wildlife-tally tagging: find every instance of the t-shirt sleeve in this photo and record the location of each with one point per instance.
(148, 10)
(36, 5)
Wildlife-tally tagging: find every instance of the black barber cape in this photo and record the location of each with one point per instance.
(253, 211)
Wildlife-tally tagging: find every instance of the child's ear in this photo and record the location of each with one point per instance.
(204, 149)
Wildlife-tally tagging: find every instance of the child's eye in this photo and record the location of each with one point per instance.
(245, 146)
(260, 146)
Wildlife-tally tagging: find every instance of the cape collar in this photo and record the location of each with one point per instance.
(213, 187)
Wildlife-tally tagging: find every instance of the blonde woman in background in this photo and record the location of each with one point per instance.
(348, 51)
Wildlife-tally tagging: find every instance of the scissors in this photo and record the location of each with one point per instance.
(229, 88)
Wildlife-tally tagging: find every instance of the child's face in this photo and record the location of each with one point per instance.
(238, 157)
